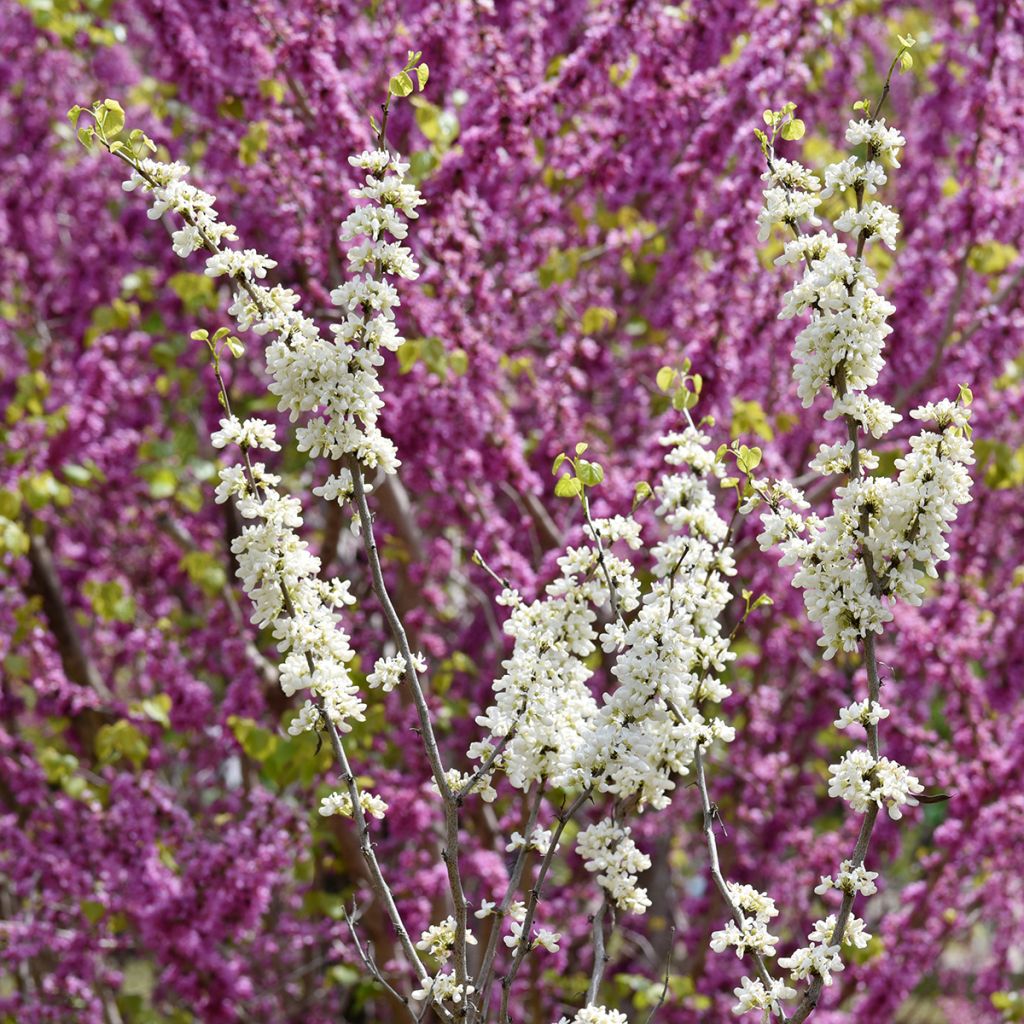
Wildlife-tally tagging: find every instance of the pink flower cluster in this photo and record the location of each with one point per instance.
(592, 186)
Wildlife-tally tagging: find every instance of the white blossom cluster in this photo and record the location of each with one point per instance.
(608, 850)
(280, 575)
(755, 995)
(883, 537)
(172, 192)
(388, 672)
(862, 780)
(852, 878)
(444, 988)
(341, 803)
(309, 372)
(338, 376)
(439, 939)
(756, 909)
(666, 661)
(596, 1015)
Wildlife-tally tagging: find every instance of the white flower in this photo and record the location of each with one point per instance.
(486, 909)
(239, 263)
(752, 995)
(607, 849)
(786, 206)
(865, 712)
(861, 780)
(852, 173)
(754, 935)
(850, 880)
(874, 220)
(548, 939)
(854, 934)
(250, 433)
(882, 142)
(815, 959)
(439, 939)
(443, 988)
(596, 1015)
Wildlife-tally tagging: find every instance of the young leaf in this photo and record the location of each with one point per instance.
(422, 74)
(641, 492)
(590, 473)
(568, 487)
(113, 121)
(793, 130)
(666, 378)
(400, 84)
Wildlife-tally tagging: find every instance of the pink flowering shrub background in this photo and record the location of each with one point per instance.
(592, 183)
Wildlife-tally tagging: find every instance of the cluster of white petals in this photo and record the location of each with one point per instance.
(608, 849)
(341, 803)
(388, 672)
(443, 988)
(438, 940)
(336, 376)
(666, 660)
(862, 780)
(751, 933)
(754, 995)
(884, 535)
(596, 1015)
(861, 712)
(852, 878)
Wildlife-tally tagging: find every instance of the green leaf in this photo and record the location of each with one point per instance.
(568, 487)
(641, 492)
(85, 136)
(235, 346)
(257, 742)
(109, 600)
(750, 418)
(557, 464)
(422, 74)
(906, 61)
(684, 399)
(991, 257)
(10, 503)
(793, 129)
(156, 709)
(597, 318)
(74, 114)
(666, 378)
(93, 910)
(590, 473)
(581, 447)
(400, 84)
(206, 571)
(748, 459)
(163, 483)
(254, 142)
(113, 119)
(121, 740)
